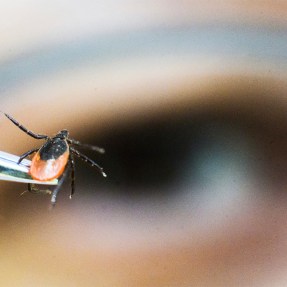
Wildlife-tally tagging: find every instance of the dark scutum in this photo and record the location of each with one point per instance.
(53, 149)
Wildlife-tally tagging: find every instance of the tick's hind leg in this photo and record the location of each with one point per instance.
(88, 160)
(72, 164)
(34, 189)
(58, 187)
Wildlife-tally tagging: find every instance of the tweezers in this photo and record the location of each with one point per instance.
(10, 170)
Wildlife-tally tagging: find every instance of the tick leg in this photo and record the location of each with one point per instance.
(24, 155)
(33, 189)
(30, 133)
(58, 187)
(88, 160)
(72, 164)
(87, 146)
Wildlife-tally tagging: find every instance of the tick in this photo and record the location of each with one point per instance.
(55, 157)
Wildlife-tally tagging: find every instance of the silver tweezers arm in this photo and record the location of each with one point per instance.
(10, 170)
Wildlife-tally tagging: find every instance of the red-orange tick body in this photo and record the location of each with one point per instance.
(55, 157)
(51, 159)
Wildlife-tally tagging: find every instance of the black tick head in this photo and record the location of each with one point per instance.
(62, 134)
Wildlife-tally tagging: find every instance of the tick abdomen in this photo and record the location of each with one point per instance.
(51, 160)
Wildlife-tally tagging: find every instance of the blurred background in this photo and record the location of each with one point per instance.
(189, 101)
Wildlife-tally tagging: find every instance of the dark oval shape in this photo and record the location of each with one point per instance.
(53, 149)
